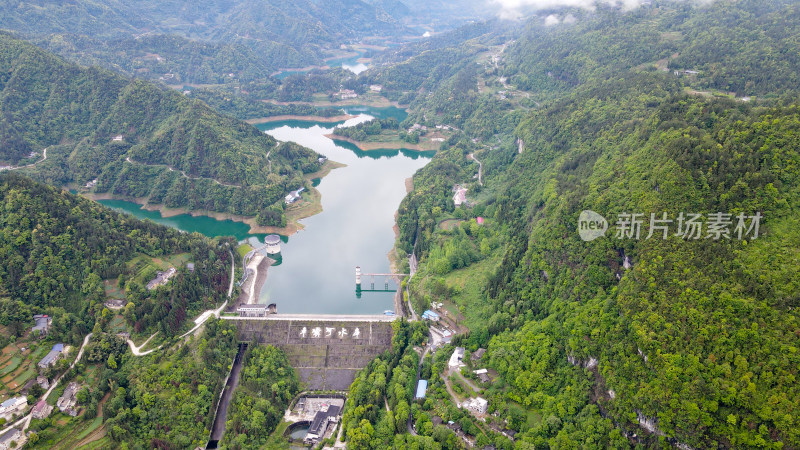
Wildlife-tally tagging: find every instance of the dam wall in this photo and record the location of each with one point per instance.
(326, 354)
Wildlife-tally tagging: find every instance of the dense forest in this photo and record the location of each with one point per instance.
(58, 248)
(201, 41)
(674, 124)
(622, 340)
(166, 400)
(136, 139)
(268, 383)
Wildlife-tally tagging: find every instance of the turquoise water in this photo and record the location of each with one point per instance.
(317, 272)
(202, 224)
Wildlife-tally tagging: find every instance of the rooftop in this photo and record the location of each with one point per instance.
(422, 386)
(9, 436)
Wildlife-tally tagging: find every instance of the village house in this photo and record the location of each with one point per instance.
(13, 406)
(478, 404)
(161, 278)
(293, 196)
(345, 94)
(42, 410)
(460, 195)
(43, 322)
(456, 358)
(43, 382)
(483, 375)
(12, 435)
(51, 358)
(68, 401)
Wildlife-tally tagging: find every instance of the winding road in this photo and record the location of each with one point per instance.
(172, 169)
(26, 420)
(44, 158)
(480, 167)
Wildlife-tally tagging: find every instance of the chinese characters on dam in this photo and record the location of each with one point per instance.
(329, 332)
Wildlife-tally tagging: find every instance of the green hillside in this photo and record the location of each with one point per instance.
(138, 140)
(623, 340)
(58, 248)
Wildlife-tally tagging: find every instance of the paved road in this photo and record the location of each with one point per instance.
(26, 421)
(321, 317)
(44, 158)
(136, 349)
(480, 167)
(172, 169)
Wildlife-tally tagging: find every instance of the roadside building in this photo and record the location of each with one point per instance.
(430, 315)
(42, 410)
(253, 311)
(55, 354)
(456, 359)
(479, 405)
(12, 435)
(319, 426)
(422, 386)
(68, 401)
(13, 406)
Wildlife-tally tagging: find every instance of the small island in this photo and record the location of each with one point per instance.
(387, 134)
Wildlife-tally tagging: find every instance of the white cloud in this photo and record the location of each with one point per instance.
(551, 20)
(570, 19)
(512, 8)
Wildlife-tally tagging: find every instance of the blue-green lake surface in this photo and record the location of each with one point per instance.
(317, 271)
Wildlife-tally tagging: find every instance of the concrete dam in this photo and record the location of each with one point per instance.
(327, 354)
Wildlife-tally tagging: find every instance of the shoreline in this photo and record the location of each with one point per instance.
(368, 146)
(260, 266)
(392, 255)
(292, 216)
(339, 118)
(380, 102)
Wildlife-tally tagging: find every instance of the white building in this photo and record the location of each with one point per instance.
(479, 405)
(12, 435)
(273, 242)
(257, 310)
(460, 196)
(13, 406)
(456, 358)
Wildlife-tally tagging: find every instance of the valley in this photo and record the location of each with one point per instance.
(372, 224)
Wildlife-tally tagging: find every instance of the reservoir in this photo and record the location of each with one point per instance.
(317, 271)
(347, 62)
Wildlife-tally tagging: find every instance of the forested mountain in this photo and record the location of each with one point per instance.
(137, 139)
(626, 339)
(58, 248)
(199, 42)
